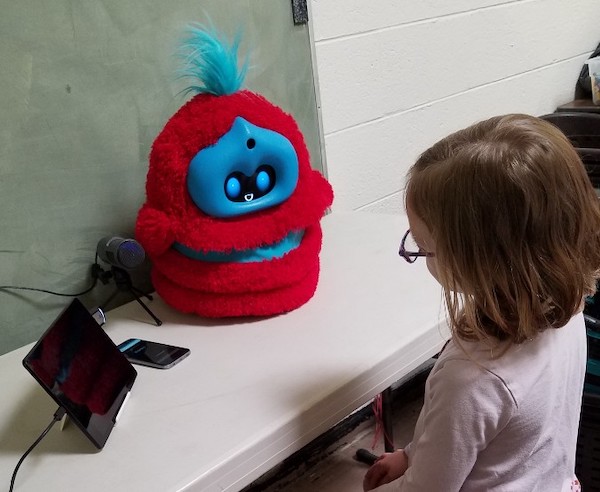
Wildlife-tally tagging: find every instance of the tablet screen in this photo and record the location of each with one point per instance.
(78, 364)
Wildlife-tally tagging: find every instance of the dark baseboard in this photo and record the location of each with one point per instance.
(315, 451)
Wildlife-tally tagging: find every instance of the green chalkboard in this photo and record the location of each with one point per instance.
(85, 87)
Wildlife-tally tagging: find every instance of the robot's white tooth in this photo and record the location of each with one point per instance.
(248, 197)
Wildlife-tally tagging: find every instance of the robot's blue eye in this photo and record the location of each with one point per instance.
(233, 187)
(263, 181)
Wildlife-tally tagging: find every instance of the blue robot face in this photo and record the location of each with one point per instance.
(249, 169)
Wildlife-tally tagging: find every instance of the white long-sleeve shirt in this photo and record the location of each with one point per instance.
(508, 424)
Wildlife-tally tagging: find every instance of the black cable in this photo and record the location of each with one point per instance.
(58, 415)
(89, 289)
(14, 287)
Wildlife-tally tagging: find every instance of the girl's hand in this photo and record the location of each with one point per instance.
(388, 467)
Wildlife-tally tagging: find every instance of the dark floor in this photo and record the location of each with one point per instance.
(329, 464)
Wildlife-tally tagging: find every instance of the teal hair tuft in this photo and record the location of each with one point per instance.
(212, 61)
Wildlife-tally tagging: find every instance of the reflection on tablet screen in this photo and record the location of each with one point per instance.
(78, 364)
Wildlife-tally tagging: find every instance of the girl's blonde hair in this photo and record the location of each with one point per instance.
(516, 224)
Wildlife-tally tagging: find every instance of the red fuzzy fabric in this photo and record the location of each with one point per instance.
(169, 215)
(250, 303)
(237, 278)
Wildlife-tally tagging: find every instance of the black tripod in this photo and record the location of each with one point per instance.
(123, 282)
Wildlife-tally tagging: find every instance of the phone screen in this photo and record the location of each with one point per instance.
(153, 354)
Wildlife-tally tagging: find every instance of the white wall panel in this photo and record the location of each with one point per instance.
(341, 18)
(367, 163)
(397, 75)
(365, 77)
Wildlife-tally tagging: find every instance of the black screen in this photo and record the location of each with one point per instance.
(78, 364)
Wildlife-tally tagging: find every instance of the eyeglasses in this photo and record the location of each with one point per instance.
(408, 255)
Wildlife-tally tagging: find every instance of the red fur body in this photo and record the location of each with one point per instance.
(223, 289)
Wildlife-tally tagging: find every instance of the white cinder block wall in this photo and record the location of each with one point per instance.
(397, 75)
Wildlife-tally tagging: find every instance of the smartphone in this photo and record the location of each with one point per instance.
(152, 354)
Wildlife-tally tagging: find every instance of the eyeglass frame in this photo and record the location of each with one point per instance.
(411, 256)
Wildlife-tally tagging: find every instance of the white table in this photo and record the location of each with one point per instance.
(252, 391)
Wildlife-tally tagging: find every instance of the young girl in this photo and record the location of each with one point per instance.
(509, 224)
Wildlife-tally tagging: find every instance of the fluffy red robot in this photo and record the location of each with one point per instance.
(232, 211)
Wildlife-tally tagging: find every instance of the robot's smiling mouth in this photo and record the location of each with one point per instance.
(262, 253)
(248, 197)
